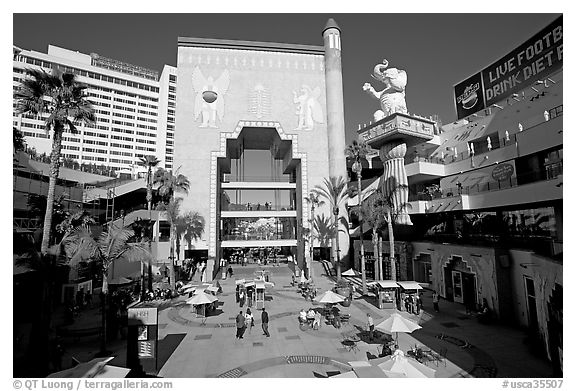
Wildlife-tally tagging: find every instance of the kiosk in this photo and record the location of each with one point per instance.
(260, 294)
(386, 293)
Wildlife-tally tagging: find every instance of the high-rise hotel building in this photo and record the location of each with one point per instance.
(135, 109)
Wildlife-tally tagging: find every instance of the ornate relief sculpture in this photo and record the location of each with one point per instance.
(309, 109)
(392, 98)
(210, 94)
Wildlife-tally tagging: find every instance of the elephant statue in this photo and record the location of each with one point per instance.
(392, 97)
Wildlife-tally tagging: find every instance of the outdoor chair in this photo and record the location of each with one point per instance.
(440, 357)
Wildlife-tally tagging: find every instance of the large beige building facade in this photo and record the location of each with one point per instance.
(252, 136)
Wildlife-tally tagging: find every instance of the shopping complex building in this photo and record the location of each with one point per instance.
(485, 194)
(259, 125)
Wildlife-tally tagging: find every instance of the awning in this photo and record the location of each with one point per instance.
(408, 285)
(240, 282)
(386, 284)
(260, 285)
(249, 283)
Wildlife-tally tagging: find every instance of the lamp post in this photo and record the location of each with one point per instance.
(357, 168)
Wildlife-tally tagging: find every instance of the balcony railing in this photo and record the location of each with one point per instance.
(550, 174)
(546, 246)
(258, 236)
(480, 147)
(250, 178)
(257, 207)
(449, 157)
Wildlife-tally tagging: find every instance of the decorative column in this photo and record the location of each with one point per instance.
(336, 128)
(395, 180)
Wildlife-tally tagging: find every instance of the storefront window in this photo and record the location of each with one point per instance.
(531, 222)
(273, 228)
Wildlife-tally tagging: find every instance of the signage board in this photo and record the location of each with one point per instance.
(142, 316)
(535, 59)
(503, 172)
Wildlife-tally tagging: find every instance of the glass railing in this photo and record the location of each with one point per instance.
(480, 147)
(484, 187)
(253, 178)
(256, 236)
(256, 207)
(450, 157)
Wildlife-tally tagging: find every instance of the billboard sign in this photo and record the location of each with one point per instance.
(469, 96)
(535, 59)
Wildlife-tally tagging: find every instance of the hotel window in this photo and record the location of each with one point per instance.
(172, 78)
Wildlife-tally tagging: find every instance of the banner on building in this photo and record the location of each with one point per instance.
(534, 60)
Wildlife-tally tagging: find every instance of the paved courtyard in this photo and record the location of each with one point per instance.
(190, 349)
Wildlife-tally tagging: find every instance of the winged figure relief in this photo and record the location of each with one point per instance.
(210, 93)
(309, 109)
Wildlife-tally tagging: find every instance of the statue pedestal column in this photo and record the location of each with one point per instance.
(395, 181)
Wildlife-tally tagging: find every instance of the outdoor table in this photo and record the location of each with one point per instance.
(422, 356)
(350, 341)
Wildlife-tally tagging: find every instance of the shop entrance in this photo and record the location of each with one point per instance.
(460, 283)
(258, 255)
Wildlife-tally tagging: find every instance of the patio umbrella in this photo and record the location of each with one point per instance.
(399, 363)
(201, 298)
(96, 368)
(350, 273)
(396, 323)
(330, 297)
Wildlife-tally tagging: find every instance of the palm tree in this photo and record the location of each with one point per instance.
(325, 229)
(47, 268)
(314, 202)
(169, 183)
(109, 247)
(61, 97)
(172, 210)
(335, 191)
(375, 214)
(149, 161)
(195, 224)
(385, 210)
(358, 151)
(180, 229)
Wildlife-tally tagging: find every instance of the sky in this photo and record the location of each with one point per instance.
(436, 50)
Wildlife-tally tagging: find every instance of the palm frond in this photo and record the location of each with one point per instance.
(113, 243)
(80, 246)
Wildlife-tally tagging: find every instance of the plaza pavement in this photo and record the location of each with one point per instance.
(189, 349)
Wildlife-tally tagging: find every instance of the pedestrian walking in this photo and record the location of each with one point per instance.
(240, 324)
(265, 322)
(242, 297)
(418, 303)
(249, 320)
(370, 325)
(435, 300)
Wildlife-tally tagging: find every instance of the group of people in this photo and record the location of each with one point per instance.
(258, 206)
(311, 317)
(159, 294)
(243, 321)
(412, 302)
(245, 295)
